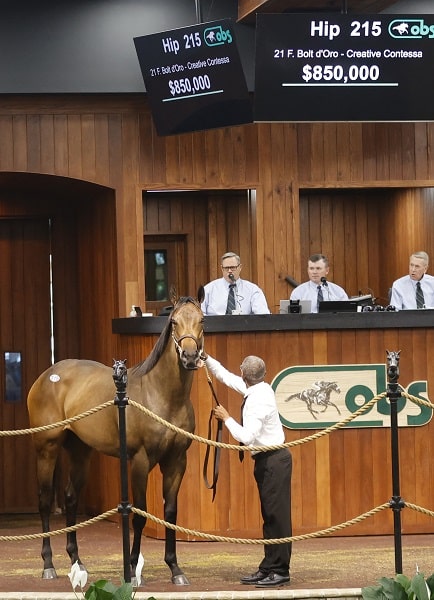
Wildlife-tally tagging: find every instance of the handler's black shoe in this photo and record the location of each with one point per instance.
(254, 578)
(273, 580)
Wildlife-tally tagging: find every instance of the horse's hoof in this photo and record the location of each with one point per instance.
(49, 573)
(180, 580)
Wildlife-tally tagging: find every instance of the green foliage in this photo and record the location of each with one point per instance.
(105, 590)
(401, 587)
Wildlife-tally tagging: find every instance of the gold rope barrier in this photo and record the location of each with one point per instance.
(218, 538)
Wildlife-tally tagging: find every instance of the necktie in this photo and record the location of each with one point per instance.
(320, 297)
(231, 299)
(240, 452)
(420, 300)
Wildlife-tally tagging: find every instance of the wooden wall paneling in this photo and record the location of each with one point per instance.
(186, 158)
(61, 150)
(173, 173)
(350, 250)
(408, 154)
(323, 481)
(430, 157)
(33, 143)
(361, 279)
(318, 163)
(263, 228)
(304, 152)
(421, 150)
(145, 143)
(75, 159)
(369, 152)
(356, 152)
(395, 153)
(325, 230)
(6, 135)
(199, 159)
(343, 152)
(332, 157)
(341, 238)
(19, 147)
(47, 160)
(252, 155)
(88, 147)
(383, 151)
(213, 157)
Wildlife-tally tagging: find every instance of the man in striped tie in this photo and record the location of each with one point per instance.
(415, 290)
(231, 295)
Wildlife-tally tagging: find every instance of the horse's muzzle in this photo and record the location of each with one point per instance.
(190, 360)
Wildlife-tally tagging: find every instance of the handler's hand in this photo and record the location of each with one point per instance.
(221, 413)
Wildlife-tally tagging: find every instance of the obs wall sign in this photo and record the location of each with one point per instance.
(317, 396)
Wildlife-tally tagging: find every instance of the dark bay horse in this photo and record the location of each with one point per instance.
(162, 383)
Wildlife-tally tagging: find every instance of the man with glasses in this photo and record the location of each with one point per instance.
(231, 295)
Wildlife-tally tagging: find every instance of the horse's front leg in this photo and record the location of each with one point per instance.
(140, 467)
(172, 477)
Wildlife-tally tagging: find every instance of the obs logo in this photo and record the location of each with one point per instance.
(316, 396)
(410, 29)
(215, 36)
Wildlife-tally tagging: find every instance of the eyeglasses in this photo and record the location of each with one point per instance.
(231, 268)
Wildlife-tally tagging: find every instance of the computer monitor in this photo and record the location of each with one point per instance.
(337, 306)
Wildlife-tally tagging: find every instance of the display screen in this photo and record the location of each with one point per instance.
(344, 67)
(194, 78)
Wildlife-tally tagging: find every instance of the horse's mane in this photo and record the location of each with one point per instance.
(150, 361)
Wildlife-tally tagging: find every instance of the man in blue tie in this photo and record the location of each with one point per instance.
(415, 290)
(318, 288)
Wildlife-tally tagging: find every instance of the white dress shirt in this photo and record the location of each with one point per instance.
(261, 422)
(404, 292)
(309, 291)
(249, 298)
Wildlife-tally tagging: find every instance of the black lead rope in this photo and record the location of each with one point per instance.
(216, 462)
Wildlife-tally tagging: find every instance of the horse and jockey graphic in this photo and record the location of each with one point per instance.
(317, 397)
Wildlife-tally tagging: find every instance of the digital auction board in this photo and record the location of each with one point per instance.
(194, 78)
(344, 67)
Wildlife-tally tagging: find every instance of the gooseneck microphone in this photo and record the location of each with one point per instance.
(231, 277)
(324, 281)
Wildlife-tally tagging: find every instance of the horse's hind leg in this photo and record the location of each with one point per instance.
(46, 457)
(79, 457)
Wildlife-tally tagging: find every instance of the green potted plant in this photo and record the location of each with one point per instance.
(401, 587)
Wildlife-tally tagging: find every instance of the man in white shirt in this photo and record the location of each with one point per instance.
(261, 426)
(318, 288)
(415, 290)
(248, 298)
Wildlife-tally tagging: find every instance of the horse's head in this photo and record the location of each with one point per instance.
(393, 364)
(187, 329)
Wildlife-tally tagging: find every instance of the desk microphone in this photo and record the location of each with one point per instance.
(231, 277)
(324, 281)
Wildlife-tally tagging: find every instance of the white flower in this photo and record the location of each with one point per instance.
(139, 567)
(77, 576)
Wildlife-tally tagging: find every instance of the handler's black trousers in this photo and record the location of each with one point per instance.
(272, 473)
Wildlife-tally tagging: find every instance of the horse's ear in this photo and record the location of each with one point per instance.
(201, 294)
(173, 294)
